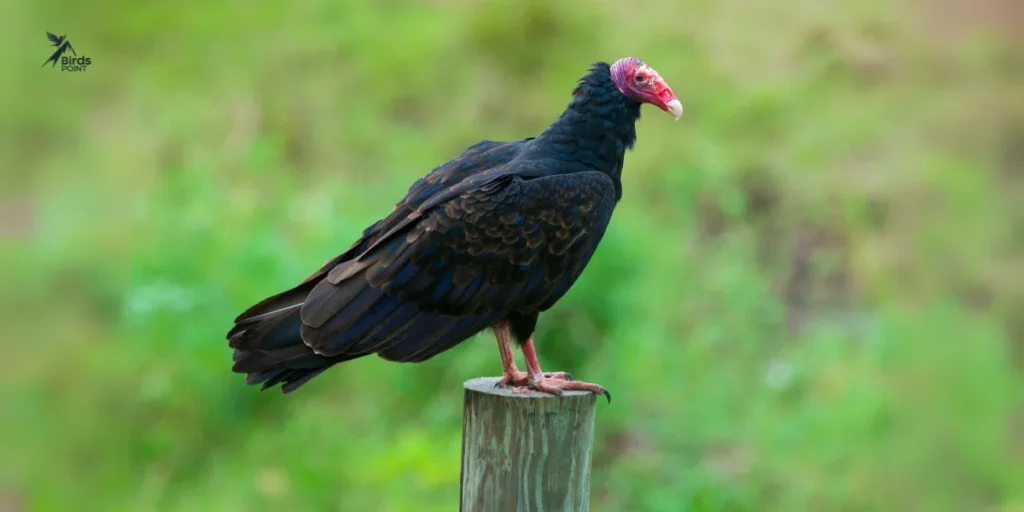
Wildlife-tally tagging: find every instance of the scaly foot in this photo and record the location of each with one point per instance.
(555, 386)
(518, 378)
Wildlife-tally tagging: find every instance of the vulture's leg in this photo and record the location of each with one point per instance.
(540, 381)
(511, 374)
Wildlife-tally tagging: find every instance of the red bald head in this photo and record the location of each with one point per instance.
(642, 83)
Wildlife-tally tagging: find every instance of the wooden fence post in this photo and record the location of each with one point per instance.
(525, 452)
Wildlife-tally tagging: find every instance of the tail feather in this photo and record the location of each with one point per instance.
(275, 304)
(295, 378)
(271, 341)
(290, 379)
(273, 332)
(257, 360)
(269, 347)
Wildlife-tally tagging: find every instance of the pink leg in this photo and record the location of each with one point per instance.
(511, 374)
(537, 380)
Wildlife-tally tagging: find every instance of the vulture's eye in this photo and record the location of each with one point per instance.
(639, 78)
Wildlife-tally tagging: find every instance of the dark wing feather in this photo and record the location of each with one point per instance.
(266, 337)
(472, 241)
(53, 38)
(508, 244)
(482, 155)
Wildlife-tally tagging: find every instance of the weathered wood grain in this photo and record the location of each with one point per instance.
(525, 452)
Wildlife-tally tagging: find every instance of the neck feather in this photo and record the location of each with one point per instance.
(597, 127)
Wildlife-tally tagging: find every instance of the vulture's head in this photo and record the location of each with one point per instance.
(642, 83)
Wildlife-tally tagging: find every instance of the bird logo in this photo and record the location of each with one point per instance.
(62, 45)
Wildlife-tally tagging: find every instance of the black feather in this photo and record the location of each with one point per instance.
(499, 233)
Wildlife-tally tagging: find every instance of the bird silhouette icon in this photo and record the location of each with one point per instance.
(62, 44)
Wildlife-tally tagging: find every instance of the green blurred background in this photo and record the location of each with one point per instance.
(810, 297)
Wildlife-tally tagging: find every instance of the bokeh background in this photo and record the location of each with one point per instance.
(810, 298)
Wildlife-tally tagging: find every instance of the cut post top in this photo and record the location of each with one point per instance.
(487, 386)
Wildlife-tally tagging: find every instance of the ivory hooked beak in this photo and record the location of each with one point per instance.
(675, 108)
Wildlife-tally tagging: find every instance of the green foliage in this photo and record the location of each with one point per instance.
(809, 298)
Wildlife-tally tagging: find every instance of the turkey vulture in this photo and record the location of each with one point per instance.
(488, 240)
